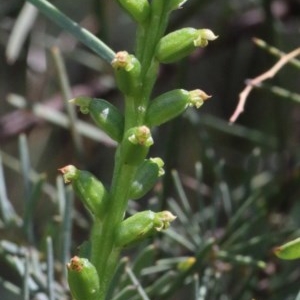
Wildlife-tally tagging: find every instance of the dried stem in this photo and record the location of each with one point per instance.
(251, 83)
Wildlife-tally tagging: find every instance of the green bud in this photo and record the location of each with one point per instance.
(142, 225)
(138, 9)
(290, 250)
(105, 115)
(171, 104)
(88, 188)
(180, 43)
(146, 176)
(136, 144)
(83, 279)
(127, 71)
(186, 264)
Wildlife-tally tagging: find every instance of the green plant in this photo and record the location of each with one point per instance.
(134, 174)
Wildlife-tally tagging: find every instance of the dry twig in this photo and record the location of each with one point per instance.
(259, 79)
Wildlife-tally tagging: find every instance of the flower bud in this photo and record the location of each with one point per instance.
(142, 225)
(138, 9)
(146, 176)
(88, 188)
(290, 250)
(127, 71)
(186, 264)
(181, 43)
(104, 114)
(83, 279)
(136, 144)
(171, 104)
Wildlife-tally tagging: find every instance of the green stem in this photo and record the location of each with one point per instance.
(83, 35)
(131, 113)
(147, 38)
(104, 253)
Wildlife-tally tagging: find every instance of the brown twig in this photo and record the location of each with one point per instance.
(259, 79)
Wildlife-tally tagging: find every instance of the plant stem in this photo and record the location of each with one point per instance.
(104, 253)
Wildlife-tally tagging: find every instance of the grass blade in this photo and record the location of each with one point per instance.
(83, 35)
(6, 209)
(20, 32)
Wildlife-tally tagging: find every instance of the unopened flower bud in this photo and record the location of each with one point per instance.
(145, 177)
(171, 104)
(104, 114)
(136, 144)
(186, 264)
(83, 279)
(127, 70)
(180, 43)
(141, 136)
(142, 225)
(88, 188)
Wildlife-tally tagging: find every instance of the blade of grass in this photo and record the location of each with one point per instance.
(30, 208)
(137, 284)
(67, 95)
(117, 277)
(186, 221)
(65, 207)
(7, 211)
(180, 239)
(26, 290)
(144, 258)
(126, 293)
(83, 35)
(275, 51)
(50, 269)
(281, 92)
(161, 284)
(181, 193)
(215, 123)
(196, 286)
(14, 164)
(20, 32)
(25, 166)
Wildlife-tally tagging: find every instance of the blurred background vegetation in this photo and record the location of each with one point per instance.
(235, 188)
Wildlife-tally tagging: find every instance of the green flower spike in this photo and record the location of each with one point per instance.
(141, 225)
(180, 43)
(83, 279)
